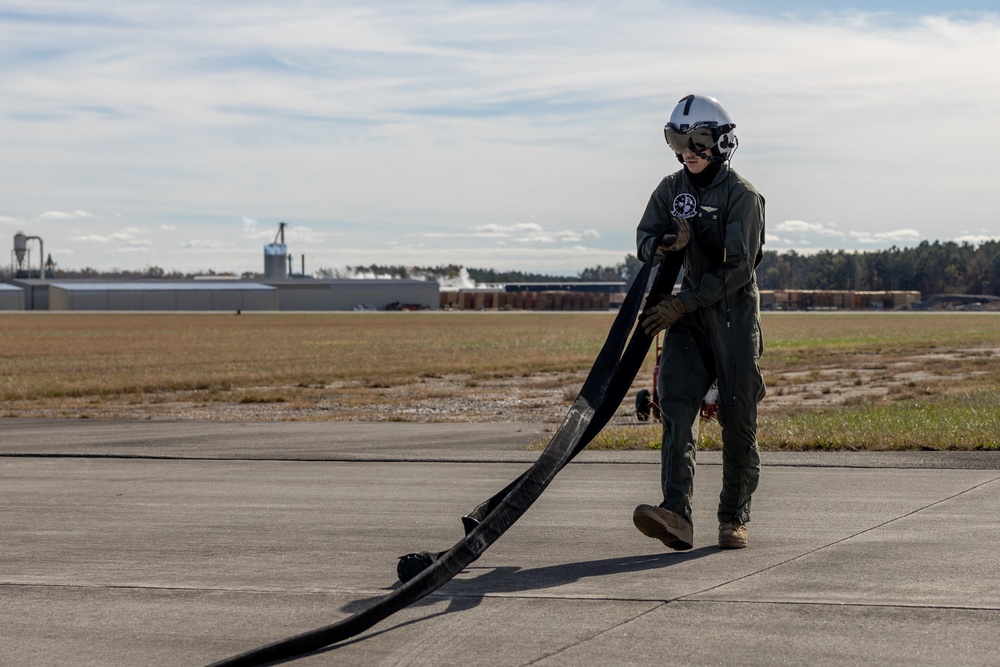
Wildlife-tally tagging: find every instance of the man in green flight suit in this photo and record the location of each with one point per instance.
(715, 217)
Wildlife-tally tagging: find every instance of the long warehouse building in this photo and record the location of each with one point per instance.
(219, 295)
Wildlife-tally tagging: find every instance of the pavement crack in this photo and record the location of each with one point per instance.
(657, 606)
(875, 605)
(840, 541)
(595, 635)
(190, 589)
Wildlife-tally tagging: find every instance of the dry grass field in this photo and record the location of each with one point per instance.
(835, 380)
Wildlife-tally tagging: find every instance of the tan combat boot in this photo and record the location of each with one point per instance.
(668, 527)
(732, 535)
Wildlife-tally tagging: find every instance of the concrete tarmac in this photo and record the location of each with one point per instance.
(181, 543)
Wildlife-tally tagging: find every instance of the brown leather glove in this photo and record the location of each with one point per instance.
(657, 318)
(676, 239)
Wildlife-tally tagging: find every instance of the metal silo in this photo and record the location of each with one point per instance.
(20, 247)
(276, 256)
(21, 258)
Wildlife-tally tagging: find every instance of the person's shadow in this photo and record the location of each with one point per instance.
(512, 579)
(466, 594)
(463, 594)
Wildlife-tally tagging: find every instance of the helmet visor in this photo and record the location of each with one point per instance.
(698, 139)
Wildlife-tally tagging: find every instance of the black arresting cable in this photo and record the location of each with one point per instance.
(621, 381)
(609, 380)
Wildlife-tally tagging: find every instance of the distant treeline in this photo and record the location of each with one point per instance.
(619, 272)
(486, 276)
(930, 268)
(150, 272)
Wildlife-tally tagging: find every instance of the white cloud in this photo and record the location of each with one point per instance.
(366, 122)
(12, 220)
(65, 215)
(802, 234)
(127, 234)
(133, 248)
(520, 232)
(558, 236)
(803, 227)
(304, 236)
(204, 244)
(895, 236)
(509, 230)
(976, 239)
(90, 238)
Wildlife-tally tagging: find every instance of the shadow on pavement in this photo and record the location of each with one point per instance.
(501, 580)
(514, 579)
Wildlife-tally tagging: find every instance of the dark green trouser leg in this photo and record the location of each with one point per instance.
(682, 383)
(741, 388)
(740, 466)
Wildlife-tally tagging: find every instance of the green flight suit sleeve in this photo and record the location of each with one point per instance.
(655, 220)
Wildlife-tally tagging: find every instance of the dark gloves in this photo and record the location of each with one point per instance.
(657, 318)
(676, 239)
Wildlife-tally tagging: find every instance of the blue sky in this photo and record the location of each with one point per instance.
(512, 135)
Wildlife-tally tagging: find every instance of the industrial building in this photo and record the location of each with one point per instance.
(216, 295)
(279, 290)
(11, 297)
(142, 295)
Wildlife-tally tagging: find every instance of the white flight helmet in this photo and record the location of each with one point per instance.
(700, 123)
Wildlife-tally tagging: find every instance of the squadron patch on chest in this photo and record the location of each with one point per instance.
(685, 205)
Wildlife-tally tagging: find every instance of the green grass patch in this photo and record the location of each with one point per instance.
(647, 436)
(947, 423)
(627, 437)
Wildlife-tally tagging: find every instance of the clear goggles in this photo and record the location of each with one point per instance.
(697, 139)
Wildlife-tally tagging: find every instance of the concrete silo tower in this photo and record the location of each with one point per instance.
(22, 258)
(276, 256)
